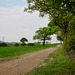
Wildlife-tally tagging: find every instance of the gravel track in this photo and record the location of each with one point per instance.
(22, 64)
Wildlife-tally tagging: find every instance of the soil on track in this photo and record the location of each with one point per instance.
(22, 64)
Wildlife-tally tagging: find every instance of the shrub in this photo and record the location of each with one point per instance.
(10, 44)
(30, 44)
(23, 44)
(16, 44)
(3, 44)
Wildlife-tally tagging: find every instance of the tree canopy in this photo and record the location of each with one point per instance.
(53, 27)
(51, 7)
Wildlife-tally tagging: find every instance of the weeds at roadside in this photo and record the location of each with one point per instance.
(59, 65)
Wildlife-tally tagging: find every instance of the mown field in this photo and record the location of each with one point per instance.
(57, 63)
(16, 51)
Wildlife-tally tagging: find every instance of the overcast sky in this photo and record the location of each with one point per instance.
(15, 23)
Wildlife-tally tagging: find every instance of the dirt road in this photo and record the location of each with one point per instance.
(24, 63)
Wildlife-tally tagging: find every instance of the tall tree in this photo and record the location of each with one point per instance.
(43, 34)
(63, 14)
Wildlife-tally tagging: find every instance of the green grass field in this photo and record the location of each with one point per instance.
(16, 51)
(60, 65)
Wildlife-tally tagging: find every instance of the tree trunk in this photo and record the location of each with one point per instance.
(69, 39)
(44, 42)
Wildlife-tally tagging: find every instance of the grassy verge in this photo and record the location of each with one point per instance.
(57, 64)
(16, 51)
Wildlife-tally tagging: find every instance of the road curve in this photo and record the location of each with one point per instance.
(24, 63)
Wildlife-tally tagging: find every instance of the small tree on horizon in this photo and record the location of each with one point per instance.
(23, 40)
(43, 34)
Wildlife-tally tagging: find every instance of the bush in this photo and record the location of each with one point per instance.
(30, 44)
(16, 44)
(23, 44)
(3, 44)
(10, 44)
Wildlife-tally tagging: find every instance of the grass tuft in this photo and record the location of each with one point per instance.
(60, 65)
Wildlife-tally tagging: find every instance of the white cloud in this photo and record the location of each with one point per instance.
(11, 11)
(15, 23)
